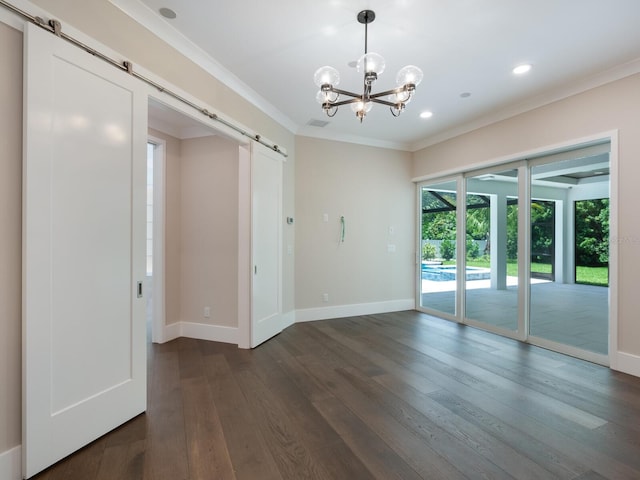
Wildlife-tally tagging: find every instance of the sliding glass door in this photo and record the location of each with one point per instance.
(438, 220)
(570, 251)
(491, 271)
(523, 250)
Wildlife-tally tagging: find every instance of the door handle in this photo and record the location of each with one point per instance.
(139, 289)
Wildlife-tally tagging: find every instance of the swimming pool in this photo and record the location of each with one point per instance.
(441, 273)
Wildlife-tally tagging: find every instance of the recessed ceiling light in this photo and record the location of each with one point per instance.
(167, 13)
(521, 69)
(426, 114)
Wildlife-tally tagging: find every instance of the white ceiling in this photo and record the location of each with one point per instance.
(269, 50)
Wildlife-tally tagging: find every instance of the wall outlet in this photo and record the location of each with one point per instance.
(325, 297)
(207, 312)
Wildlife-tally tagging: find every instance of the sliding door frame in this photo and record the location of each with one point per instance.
(458, 305)
(523, 163)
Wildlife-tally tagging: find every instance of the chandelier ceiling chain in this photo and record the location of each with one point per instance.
(371, 65)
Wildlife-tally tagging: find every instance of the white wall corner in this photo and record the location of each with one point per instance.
(626, 363)
(170, 332)
(11, 464)
(212, 333)
(341, 311)
(288, 319)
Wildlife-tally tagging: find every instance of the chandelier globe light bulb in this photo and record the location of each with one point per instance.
(409, 75)
(326, 76)
(371, 63)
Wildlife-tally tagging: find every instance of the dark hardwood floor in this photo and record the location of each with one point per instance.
(391, 396)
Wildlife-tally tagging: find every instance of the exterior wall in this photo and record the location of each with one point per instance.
(611, 107)
(372, 189)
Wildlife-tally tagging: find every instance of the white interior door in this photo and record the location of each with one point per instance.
(84, 355)
(266, 239)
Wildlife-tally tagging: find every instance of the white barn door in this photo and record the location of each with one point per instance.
(266, 239)
(84, 357)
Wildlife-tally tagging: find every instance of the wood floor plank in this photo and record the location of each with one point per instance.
(384, 463)
(291, 443)
(562, 466)
(585, 397)
(406, 442)
(546, 409)
(83, 464)
(391, 396)
(123, 456)
(247, 448)
(124, 461)
(166, 454)
(480, 365)
(454, 437)
(205, 440)
(290, 367)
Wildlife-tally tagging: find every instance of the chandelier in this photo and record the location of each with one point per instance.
(371, 65)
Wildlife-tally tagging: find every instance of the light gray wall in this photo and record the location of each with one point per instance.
(372, 189)
(209, 231)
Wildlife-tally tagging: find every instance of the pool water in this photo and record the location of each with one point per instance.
(441, 273)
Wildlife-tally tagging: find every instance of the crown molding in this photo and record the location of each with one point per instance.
(316, 132)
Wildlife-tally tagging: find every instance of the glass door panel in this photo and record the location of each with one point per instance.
(491, 270)
(438, 247)
(569, 244)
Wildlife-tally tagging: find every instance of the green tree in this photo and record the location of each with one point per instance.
(512, 232)
(428, 251)
(438, 225)
(447, 249)
(473, 250)
(592, 232)
(542, 228)
(478, 223)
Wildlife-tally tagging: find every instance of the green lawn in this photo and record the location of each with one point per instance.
(586, 275)
(593, 275)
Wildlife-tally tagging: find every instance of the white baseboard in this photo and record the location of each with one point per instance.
(626, 363)
(11, 464)
(170, 332)
(200, 331)
(341, 311)
(213, 333)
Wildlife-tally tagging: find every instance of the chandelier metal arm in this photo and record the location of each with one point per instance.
(357, 97)
(385, 102)
(346, 102)
(341, 92)
(409, 88)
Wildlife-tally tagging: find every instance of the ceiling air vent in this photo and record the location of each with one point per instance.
(317, 123)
